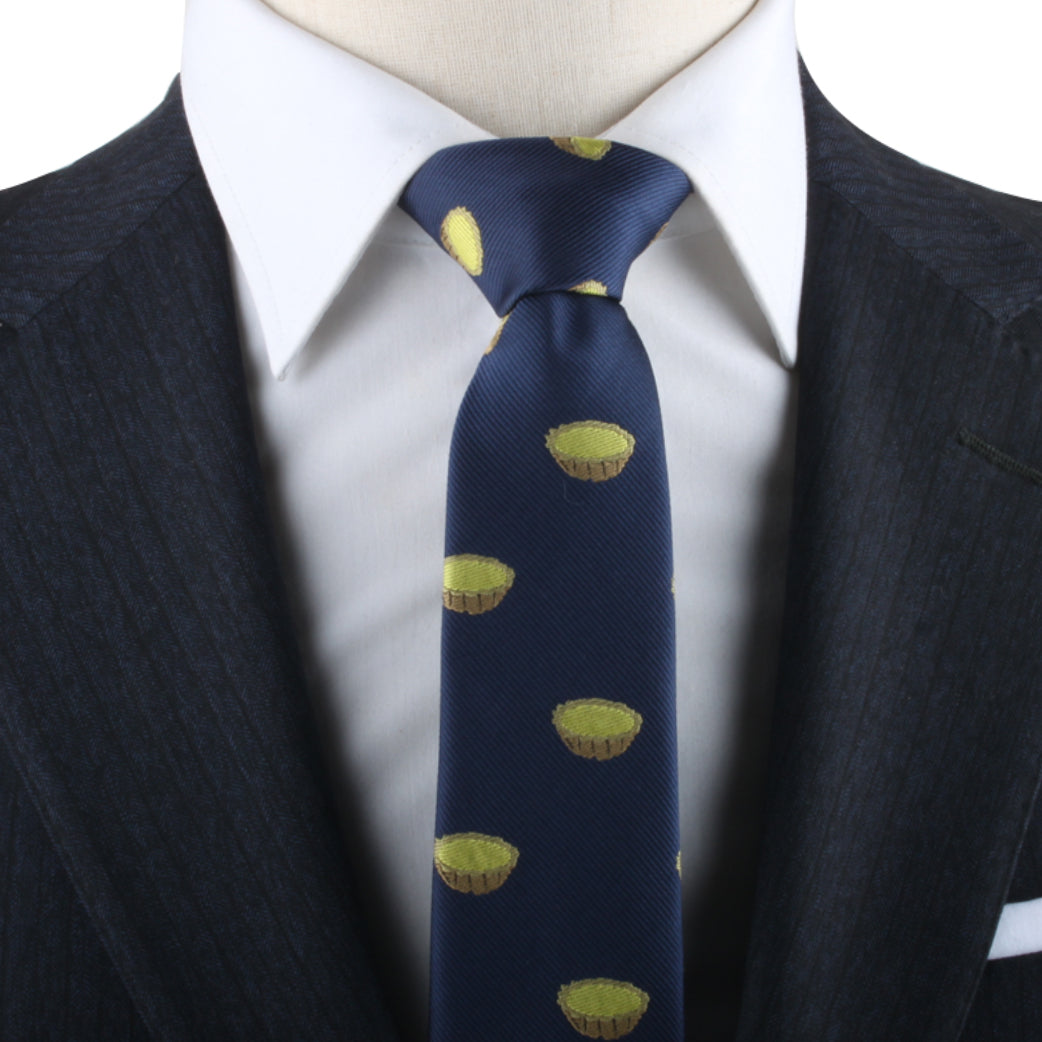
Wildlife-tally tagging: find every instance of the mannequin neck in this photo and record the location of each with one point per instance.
(576, 69)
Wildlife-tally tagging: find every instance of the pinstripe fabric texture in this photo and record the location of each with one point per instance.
(55, 979)
(1009, 1003)
(909, 724)
(169, 864)
(152, 697)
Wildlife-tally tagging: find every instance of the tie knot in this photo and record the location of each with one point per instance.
(538, 214)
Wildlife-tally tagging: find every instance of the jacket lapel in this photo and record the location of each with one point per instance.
(908, 728)
(161, 723)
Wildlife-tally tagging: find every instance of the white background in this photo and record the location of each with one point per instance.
(955, 83)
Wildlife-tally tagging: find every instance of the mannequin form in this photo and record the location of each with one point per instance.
(530, 75)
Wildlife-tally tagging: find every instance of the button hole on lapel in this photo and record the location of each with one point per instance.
(997, 457)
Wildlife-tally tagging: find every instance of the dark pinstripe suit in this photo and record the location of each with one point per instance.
(170, 865)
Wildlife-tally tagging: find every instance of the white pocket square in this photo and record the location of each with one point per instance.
(1019, 931)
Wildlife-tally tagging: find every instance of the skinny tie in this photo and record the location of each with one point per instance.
(556, 906)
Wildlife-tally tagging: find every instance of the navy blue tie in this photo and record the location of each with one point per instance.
(556, 907)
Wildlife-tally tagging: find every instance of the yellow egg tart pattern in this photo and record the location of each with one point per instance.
(461, 237)
(475, 584)
(583, 147)
(602, 1008)
(474, 863)
(591, 287)
(596, 728)
(498, 333)
(591, 450)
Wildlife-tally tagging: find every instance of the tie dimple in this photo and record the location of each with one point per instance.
(556, 906)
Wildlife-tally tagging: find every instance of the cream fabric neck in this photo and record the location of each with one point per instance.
(523, 68)
(306, 148)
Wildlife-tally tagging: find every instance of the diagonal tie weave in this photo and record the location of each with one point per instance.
(556, 906)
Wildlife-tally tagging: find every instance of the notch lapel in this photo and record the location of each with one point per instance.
(150, 690)
(908, 729)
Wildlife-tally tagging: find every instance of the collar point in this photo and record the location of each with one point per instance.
(787, 351)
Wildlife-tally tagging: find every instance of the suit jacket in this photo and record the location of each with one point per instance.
(170, 862)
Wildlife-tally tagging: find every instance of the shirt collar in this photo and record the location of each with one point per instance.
(306, 147)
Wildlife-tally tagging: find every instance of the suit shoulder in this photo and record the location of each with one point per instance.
(984, 243)
(58, 227)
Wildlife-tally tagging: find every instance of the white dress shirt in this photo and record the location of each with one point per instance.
(360, 335)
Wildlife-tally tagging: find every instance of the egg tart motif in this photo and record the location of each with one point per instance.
(602, 1008)
(583, 147)
(461, 237)
(474, 863)
(591, 450)
(596, 728)
(591, 287)
(498, 333)
(475, 584)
